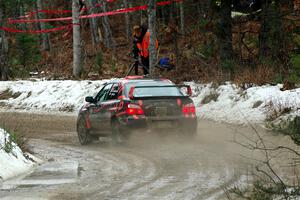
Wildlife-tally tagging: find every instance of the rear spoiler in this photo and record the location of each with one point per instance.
(189, 89)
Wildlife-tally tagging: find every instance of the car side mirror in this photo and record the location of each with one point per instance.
(90, 99)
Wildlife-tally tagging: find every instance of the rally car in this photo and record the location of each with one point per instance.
(136, 103)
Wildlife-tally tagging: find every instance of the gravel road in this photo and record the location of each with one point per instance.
(151, 166)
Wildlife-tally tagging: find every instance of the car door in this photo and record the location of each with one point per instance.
(110, 104)
(98, 112)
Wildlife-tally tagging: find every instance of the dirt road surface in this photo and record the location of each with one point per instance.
(150, 166)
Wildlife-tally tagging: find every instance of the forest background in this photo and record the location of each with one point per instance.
(245, 41)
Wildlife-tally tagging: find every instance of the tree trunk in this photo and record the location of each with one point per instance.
(152, 30)
(264, 49)
(45, 36)
(181, 6)
(203, 8)
(23, 26)
(3, 52)
(77, 61)
(90, 4)
(127, 21)
(108, 37)
(271, 37)
(224, 31)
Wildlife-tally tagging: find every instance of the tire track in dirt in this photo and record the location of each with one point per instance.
(148, 167)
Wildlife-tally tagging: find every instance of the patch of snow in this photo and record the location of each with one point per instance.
(232, 104)
(235, 105)
(49, 95)
(14, 162)
(47, 174)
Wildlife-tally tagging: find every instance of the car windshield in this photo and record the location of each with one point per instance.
(152, 91)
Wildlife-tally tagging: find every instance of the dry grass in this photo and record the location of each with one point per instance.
(17, 138)
(7, 94)
(275, 109)
(213, 96)
(261, 75)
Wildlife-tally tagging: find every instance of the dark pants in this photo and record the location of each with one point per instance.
(145, 62)
(136, 67)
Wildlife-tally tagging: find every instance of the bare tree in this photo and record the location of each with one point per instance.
(127, 21)
(109, 41)
(269, 179)
(271, 36)
(152, 29)
(225, 30)
(91, 5)
(3, 51)
(45, 36)
(181, 6)
(77, 51)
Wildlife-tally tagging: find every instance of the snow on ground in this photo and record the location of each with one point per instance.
(48, 95)
(226, 103)
(231, 104)
(12, 160)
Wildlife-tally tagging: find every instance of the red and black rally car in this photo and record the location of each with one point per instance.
(133, 103)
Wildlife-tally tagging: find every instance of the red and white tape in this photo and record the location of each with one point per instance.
(115, 12)
(57, 12)
(60, 28)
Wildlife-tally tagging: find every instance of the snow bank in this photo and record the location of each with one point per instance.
(228, 102)
(48, 95)
(235, 105)
(13, 163)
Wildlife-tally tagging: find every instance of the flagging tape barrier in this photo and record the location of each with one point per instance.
(60, 28)
(58, 12)
(69, 26)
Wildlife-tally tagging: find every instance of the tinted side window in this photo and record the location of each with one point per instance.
(101, 96)
(113, 94)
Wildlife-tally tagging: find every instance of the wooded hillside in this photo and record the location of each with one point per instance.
(245, 41)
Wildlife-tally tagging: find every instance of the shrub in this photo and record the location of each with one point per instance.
(13, 140)
(98, 61)
(28, 50)
(275, 109)
(291, 128)
(294, 75)
(228, 67)
(7, 94)
(260, 190)
(25, 55)
(212, 96)
(207, 50)
(202, 24)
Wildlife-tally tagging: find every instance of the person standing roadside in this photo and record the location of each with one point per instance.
(141, 43)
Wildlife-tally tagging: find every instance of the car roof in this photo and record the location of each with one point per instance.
(135, 79)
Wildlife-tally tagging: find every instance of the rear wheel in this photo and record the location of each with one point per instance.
(192, 131)
(118, 135)
(82, 131)
(189, 129)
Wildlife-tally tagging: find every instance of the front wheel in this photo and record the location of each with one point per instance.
(82, 131)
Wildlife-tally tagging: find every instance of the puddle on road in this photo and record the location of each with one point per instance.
(53, 173)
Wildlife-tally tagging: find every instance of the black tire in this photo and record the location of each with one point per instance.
(192, 131)
(189, 129)
(83, 133)
(118, 135)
